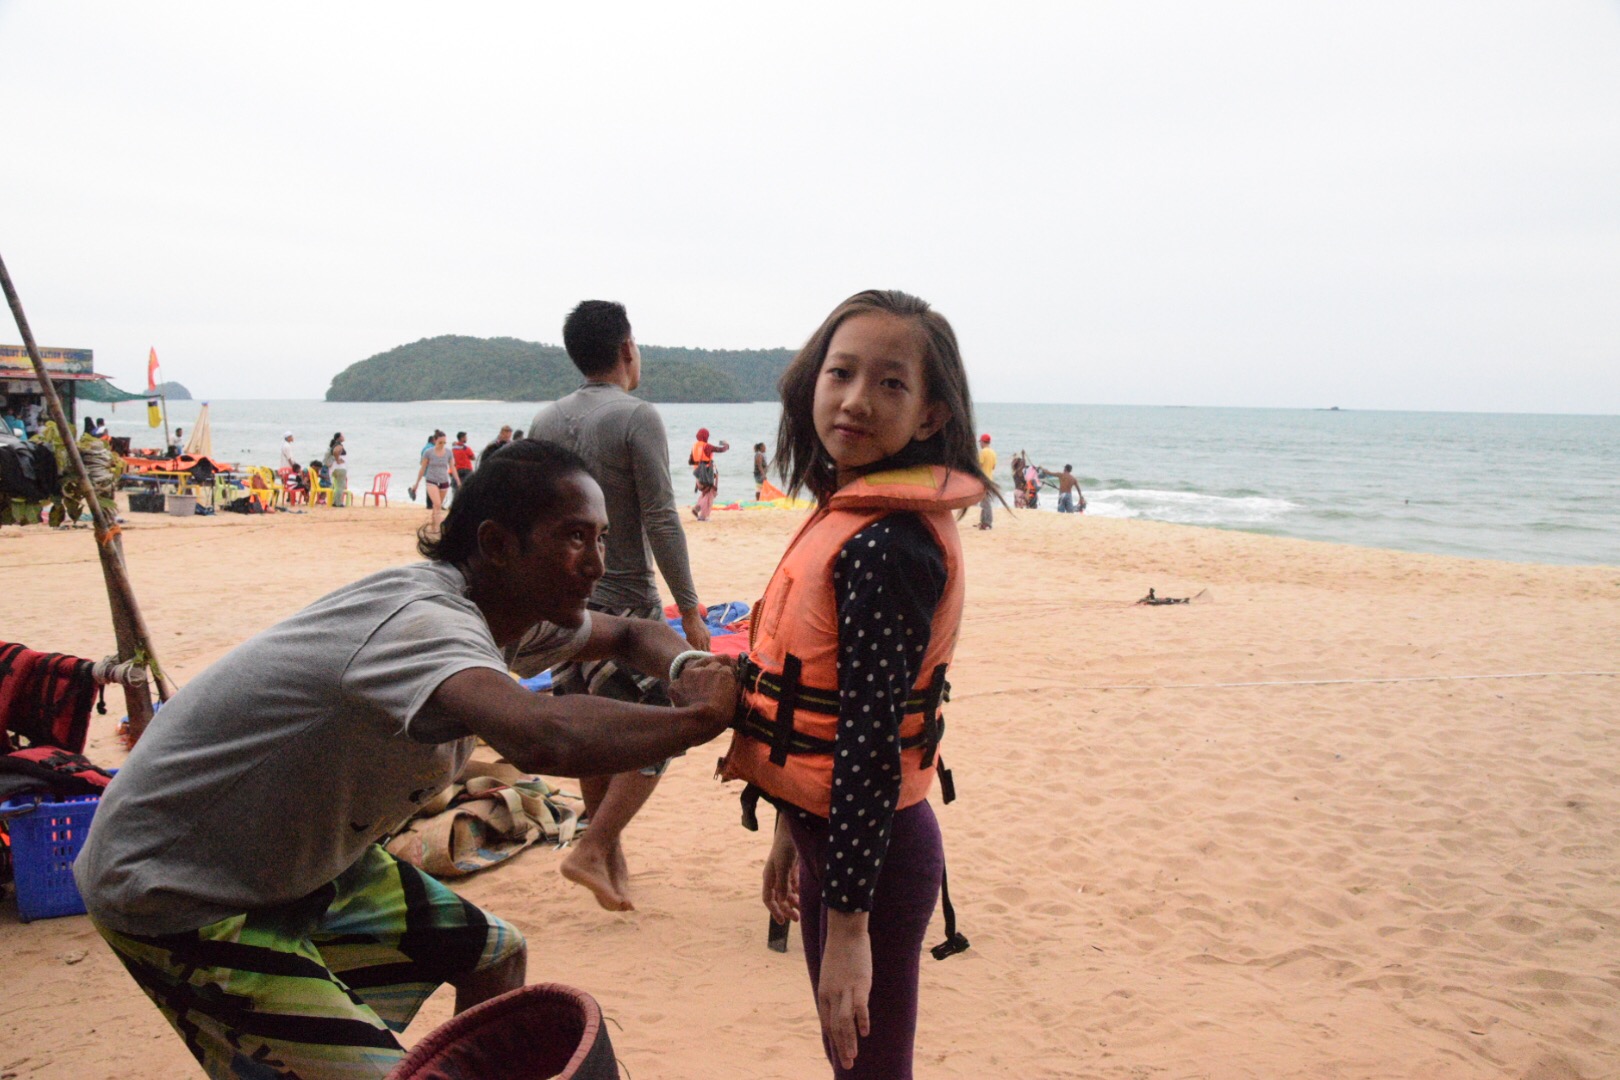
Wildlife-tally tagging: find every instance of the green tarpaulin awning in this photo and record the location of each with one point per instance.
(101, 390)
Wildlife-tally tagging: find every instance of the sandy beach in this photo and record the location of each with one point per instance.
(1289, 831)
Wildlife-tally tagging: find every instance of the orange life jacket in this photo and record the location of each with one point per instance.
(700, 453)
(785, 730)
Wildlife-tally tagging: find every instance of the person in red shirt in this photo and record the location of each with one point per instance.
(464, 456)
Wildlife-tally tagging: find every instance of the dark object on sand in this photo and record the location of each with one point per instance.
(533, 1033)
(1156, 601)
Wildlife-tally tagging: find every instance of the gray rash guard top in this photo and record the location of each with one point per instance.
(622, 439)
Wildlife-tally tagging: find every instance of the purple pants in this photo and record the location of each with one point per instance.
(907, 889)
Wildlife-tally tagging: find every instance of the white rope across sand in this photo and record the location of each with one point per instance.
(1349, 682)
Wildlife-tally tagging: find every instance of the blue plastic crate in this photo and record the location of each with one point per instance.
(44, 842)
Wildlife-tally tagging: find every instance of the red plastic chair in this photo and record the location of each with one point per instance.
(379, 489)
(295, 494)
(533, 1033)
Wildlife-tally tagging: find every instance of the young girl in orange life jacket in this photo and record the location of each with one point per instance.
(847, 661)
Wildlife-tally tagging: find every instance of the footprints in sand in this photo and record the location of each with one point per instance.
(1587, 851)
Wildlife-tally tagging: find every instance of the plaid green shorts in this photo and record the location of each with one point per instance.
(318, 987)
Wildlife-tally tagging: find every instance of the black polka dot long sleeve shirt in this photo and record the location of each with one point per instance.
(888, 579)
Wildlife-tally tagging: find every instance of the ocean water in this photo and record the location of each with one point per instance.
(1519, 487)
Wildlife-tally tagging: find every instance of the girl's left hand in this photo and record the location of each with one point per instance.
(846, 983)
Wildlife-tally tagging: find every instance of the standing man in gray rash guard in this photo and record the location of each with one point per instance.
(622, 439)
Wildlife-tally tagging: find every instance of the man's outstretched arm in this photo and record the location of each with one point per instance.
(584, 735)
(648, 646)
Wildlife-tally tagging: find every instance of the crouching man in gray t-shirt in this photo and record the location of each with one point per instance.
(233, 864)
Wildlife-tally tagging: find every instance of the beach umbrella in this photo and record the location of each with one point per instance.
(201, 443)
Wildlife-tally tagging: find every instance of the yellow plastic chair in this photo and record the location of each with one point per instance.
(265, 486)
(318, 491)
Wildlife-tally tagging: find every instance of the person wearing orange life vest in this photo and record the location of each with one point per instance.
(708, 481)
(840, 721)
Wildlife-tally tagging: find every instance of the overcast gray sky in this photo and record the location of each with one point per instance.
(1409, 205)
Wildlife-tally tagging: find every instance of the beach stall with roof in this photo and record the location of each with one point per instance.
(72, 372)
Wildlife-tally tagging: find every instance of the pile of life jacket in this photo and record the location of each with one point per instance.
(28, 470)
(51, 773)
(45, 703)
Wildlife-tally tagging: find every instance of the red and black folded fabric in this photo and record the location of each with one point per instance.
(50, 772)
(45, 698)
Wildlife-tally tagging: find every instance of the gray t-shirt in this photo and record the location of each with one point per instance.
(438, 465)
(622, 439)
(273, 770)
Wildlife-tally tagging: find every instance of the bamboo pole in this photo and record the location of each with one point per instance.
(129, 628)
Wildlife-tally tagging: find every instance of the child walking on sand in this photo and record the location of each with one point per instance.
(840, 727)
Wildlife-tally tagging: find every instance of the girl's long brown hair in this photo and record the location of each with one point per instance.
(803, 462)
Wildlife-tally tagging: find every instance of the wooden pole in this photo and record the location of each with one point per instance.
(129, 628)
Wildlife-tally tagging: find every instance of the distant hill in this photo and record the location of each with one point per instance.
(509, 369)
(173, 391)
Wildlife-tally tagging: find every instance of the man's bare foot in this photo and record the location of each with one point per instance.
(585, 866)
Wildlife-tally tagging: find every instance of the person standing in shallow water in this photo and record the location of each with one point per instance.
(1071, 500)
(622, 439)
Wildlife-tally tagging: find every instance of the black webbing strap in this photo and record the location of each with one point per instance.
(758, 727)
(955, 941)
(947, 784)
(750, 807)
(812, 698)
(933, 727)
(782, 737)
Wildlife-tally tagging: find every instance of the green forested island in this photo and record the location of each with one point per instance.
(508, 369)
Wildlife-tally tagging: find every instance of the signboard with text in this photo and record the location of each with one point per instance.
(57, 361)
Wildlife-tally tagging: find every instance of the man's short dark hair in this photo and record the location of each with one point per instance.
(593, 333)
(516, 486)
(461, 436)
